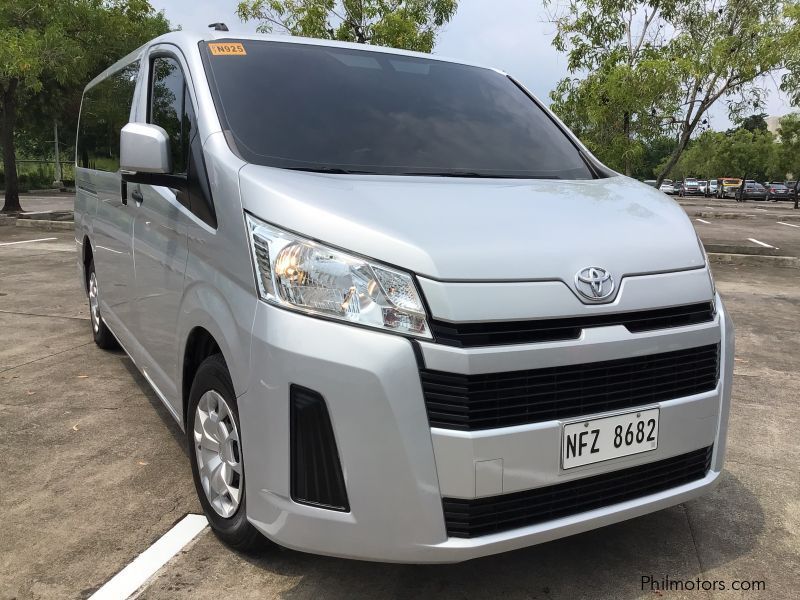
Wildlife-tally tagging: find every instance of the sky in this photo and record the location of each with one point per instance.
(512, 35)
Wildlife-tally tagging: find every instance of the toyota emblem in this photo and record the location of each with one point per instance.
(594, 283)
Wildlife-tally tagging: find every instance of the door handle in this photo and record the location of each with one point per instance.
(137, 195)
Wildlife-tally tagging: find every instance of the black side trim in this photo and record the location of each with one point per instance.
(316, 471)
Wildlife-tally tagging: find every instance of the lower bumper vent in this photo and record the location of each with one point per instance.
(482, 516)
(316, 471)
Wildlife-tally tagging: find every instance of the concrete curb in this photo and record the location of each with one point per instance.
(738, 249)
(46, 224)
(705, 214)
(715, 215)
(791, 262)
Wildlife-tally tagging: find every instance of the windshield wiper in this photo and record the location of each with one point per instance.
(472, 174)
(330, 170)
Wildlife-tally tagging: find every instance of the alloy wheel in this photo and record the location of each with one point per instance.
(218, 453)
(94, 311)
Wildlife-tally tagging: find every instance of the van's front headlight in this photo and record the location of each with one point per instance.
(298, 273)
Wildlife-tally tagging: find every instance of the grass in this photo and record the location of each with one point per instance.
(39, 175)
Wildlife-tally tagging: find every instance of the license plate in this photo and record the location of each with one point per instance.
(596, 440)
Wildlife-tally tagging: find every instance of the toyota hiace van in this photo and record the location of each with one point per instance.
(399, 310)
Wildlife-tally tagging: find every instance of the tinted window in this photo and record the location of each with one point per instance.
(313, 107)
(167, 108)
(105, 110)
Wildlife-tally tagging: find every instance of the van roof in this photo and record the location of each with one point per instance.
(188, 39)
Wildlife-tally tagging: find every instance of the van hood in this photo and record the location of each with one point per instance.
(481, 229)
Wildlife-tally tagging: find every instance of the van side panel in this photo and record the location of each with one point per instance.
(107, 106)
(220, 293)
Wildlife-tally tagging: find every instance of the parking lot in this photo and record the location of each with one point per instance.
(94, 470)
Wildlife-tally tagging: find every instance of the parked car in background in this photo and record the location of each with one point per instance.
(791, 186)
(752, 191)
(690, 187)
(727, 187)
(777, 190)
(667, 187)
(710, 188)
(650, 182)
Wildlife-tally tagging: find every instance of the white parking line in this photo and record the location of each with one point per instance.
(755, 241)
(702, 221)
(27, 241)
(788, 224)
(144, 566)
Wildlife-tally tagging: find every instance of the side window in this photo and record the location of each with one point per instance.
(168, 100)
(105, 109)
(170, 107)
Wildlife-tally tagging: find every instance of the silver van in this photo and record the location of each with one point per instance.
(400, 311)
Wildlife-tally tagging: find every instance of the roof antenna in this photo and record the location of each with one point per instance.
(219, 26)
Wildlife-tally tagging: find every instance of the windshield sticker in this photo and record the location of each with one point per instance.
(228, 49)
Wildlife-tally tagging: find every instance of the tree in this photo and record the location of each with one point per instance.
(731, 154)
(49, 49)
(409, 24)
(626, 75)
(788, 150)
(711, 52)
(756, 122)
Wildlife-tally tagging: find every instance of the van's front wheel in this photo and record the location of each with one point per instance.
(215, 450)
(100, 332)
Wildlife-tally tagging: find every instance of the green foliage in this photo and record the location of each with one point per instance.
(409, 24)
(747, 150)
(787, 155)
(757, 122)
(50, 49)
(674, 59)
(63, 43)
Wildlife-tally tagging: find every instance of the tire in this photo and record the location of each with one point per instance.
(100, 332)
(226, 516)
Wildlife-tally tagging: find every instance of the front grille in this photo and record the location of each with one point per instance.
(472, 518)
(470, 402)
(470, 335)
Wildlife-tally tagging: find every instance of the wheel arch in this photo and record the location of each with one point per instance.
(208, 326)
(200, 344)
(87, 256)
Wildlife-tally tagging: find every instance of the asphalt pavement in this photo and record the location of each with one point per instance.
(94, 470)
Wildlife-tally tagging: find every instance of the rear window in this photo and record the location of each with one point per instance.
(105, 110)
(319, 108)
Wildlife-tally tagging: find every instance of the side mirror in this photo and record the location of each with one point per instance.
(144, 148)
(144, 157)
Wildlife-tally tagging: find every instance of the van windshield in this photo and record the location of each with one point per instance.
(340, 110)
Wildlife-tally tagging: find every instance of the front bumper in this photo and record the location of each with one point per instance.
(397, 468)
